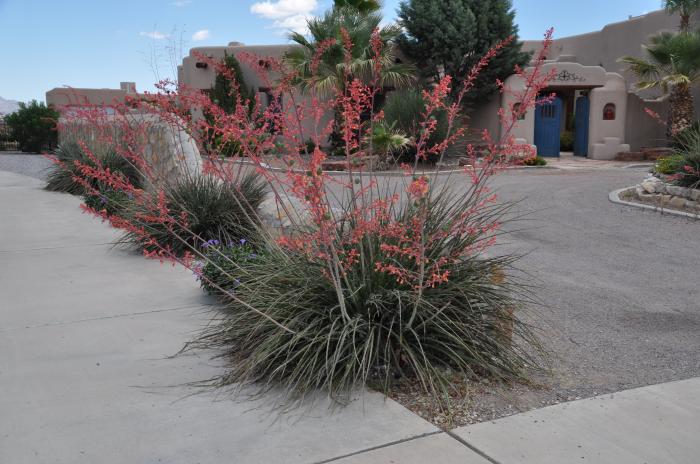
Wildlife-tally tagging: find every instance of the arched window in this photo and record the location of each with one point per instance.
(609, 112)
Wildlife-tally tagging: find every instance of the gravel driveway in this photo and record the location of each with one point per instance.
(619, 285)
(28, 164)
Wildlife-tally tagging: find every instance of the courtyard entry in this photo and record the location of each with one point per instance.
(548, 118)
(581, 125)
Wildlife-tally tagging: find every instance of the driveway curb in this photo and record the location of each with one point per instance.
(615, 198)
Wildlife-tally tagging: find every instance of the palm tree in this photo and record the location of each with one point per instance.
(362, 6)
(330, 75)
(685, 8)
(672, 64)
(332, 71)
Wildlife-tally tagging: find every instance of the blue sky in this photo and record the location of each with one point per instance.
(98, 43)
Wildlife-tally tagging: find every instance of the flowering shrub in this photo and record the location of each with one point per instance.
(65, 175)
(684, 167)
(219, 272)
(375, 278)
(195, 210)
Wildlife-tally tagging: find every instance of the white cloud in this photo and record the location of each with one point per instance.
(155, 35)
(295, 23)
(287, 14)
(283, 8)
(204, 34)
(181, 3)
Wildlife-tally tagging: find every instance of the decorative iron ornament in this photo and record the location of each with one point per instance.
(566, 76)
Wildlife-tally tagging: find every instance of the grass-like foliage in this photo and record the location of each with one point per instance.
(306, 341)
(199, 208)
(220, 270)
(404, 109)
(63, 173)
(684, 167)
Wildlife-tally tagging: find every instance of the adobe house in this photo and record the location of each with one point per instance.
(62, 97)
(594, 96)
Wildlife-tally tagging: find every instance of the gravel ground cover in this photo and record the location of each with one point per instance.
(28, 164)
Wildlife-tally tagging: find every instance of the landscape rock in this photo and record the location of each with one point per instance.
(677, 202)
(650, 186)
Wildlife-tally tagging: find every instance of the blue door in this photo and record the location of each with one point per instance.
(581, 125)
(548, 127)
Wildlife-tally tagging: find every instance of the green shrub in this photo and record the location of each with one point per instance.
(668, 165)
(33, 126)
(535, 161)
(679, 141)
(403, 111)
(108, 200)
(308, 148)
(221, 271)
(61, 177)
(225, 95)
(566, 142)
(212, 210)
(687, 166)
(284, 327)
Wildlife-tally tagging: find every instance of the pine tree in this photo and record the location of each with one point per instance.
(450, 36)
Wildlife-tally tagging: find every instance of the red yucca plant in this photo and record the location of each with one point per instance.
(371, 278)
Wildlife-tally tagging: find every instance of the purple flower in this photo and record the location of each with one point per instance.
(243, 241)
(209, 243)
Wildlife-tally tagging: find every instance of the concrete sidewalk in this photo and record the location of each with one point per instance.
(86, 332)
(85, 335)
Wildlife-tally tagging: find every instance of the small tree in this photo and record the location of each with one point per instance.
(450, 37)
(229, 86)
(228, 92)
(33, 125)
(685, 8)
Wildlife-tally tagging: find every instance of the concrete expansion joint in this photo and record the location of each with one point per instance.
(61, 247)
(115, 316)
(472, 447)
(385, 445)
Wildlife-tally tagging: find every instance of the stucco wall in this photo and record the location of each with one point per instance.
(605, 47)
(167, 149)
(643, 130)
(607, 137)
(204, 78)
(70, 96)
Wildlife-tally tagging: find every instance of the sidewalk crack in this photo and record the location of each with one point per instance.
(385, 445)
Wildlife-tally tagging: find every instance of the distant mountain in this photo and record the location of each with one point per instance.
(8, 106)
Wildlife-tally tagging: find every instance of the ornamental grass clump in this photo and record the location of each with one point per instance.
(360, 279)
(421, 303)
(65, 175)
(684, 167)
(205, 208)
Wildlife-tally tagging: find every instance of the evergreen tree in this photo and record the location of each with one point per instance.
(223, 93)
(449, 37)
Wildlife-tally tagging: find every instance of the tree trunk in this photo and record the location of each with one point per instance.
(685, 22)
(681, 114)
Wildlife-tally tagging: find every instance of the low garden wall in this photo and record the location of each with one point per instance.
(654, 190)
